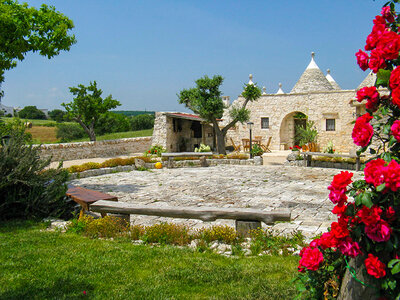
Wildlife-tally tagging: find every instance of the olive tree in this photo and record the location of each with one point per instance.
(88, 106)
(206, 101)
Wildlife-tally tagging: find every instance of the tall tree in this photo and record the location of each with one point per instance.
(87, 107)
(25, 29)
(205, 100)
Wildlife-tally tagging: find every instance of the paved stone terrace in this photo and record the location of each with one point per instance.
(302, 190)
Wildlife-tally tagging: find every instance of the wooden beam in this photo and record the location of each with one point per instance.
(201, 213)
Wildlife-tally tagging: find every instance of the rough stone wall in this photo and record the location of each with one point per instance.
(160, 130)
(318, 106)
(110, 148)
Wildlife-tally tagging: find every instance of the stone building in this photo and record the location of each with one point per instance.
(316, 96)
(181, 132)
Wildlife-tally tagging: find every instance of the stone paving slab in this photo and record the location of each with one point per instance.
(302, 190)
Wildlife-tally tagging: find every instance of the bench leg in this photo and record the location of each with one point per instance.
(358, 164)
(243, 227)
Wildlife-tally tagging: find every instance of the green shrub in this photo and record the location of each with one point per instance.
(256, 150)
(203, 148)
(155, 150)
(140, 122)
(224, 234)
(69, 131)
(27, 188)
(167, 233)
(32, 112)
(107, 227)
(111, 122)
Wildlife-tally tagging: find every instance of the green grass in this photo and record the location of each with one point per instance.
(120, 135)
(35, 122)
(36, 264)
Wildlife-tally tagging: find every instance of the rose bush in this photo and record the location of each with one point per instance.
(367, 210)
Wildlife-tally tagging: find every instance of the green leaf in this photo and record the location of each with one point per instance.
(392, 284)
(382, 78)
(366, 200)
(396, 269)
(392, 263)
(381, 187)
(392, 141)
(386, 157)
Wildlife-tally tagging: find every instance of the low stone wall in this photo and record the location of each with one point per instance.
(323, 164)
(82, 150)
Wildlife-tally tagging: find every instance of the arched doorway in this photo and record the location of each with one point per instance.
(289, 123)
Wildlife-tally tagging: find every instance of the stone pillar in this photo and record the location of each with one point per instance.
(243, 227)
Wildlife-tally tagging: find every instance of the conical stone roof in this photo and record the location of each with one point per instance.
(332, 81)
(368, 81)
(312, 79)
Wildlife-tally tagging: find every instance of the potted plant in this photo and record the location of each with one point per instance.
(307, 136)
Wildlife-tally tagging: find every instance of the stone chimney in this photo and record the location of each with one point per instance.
(226, 101)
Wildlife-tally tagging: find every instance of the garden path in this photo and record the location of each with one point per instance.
(303, 191)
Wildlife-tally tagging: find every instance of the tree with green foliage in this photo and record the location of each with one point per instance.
(26, 29)
(88, 106)
(205, 100)
(32, 112)
(57, 115)
(140, 122)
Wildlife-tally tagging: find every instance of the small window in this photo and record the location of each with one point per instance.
(330, 124)
(264, 123)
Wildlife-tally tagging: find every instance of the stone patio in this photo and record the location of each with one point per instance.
(301, 190)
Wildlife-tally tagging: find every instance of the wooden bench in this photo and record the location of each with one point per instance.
(172, 155)
(246, 218)
(85, 197)
(308, 156)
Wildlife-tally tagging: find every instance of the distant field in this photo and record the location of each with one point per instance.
(42, 134)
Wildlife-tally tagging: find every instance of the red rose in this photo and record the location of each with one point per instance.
(339, 210)
(362, 131)
(395, 130)
(311, 259)
(389, 45)
(370, 216)
(373, 37)
(349, 247)
(387, 14)
(342, 180)
(337, 196)
(374, 266)
(390, 214)
(374, 172)
(362, 59)
(379, 231)
(396, 96)
(379, 20)
(392, 176)
(371, 94)
(394, 81)
(338, 230)
(327, 240)
(376, 60)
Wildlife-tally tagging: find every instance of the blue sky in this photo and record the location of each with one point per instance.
(145, 52)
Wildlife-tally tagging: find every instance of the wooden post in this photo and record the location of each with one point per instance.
(243, 227)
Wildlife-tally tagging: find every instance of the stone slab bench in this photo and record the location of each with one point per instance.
(171, 155)
(246, 218)
(308, 156)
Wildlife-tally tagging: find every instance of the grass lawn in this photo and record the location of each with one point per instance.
(36, 264)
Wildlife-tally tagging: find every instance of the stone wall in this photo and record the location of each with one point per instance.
(82, 150)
